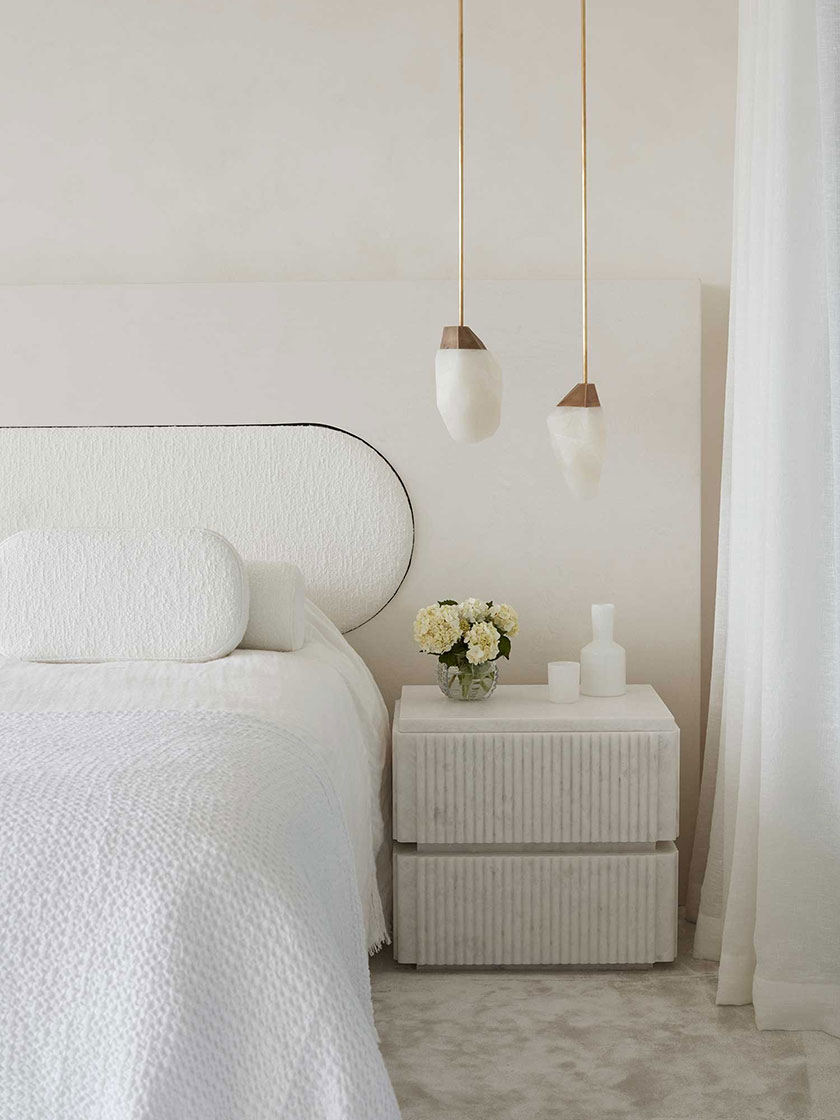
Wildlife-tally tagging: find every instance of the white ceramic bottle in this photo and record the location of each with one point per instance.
(603, 663)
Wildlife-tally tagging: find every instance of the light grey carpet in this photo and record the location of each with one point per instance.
(592, 1046)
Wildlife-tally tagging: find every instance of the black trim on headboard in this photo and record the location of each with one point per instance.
(290, 424)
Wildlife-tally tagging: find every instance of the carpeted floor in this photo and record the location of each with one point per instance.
(650, 1045)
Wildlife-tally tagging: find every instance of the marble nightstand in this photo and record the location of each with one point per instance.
(528, 833)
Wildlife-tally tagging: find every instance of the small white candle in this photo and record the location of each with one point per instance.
(563, 681)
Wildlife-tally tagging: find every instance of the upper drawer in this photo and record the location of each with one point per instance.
(618, 787)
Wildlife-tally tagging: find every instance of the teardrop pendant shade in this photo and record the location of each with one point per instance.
(468, 382)
(578, 440)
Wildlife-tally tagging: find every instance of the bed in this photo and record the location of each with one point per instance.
(188, 851)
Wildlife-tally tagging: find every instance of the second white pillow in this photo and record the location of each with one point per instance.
(278, 612)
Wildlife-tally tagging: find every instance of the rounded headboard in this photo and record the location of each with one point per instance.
(308, 493)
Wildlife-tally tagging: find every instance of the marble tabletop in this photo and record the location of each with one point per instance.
(526, 707)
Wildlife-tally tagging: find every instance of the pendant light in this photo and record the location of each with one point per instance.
(468, 378)
(576, 425)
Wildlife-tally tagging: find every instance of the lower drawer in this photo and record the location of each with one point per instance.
(552, 908)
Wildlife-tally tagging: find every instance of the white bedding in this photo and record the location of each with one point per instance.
(182, 938)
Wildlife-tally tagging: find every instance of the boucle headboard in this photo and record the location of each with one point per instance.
(307, 493)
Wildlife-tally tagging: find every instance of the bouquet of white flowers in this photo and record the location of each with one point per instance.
(467, 638)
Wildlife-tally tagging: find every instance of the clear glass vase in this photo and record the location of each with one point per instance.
(468, 682)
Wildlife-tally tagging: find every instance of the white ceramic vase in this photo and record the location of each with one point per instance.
(603, 663)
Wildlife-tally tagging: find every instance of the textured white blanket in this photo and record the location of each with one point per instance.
(324, 690)
(180, 923)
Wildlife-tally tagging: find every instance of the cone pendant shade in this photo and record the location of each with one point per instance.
(578, 440)
(468, 384)
(468, 379)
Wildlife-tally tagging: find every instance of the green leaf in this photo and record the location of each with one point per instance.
(455, 656)
(447, 602)
(504, 647)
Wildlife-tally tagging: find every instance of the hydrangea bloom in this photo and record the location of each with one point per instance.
(482, 643)
(506, 618)
(436, 629)
(473, 610)
(466, 636)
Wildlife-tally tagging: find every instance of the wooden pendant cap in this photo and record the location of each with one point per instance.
(460, 338)
(582, 396)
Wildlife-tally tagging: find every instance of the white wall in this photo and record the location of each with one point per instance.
(217, 140)
(292, 139)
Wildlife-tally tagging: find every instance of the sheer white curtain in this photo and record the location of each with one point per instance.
(769, 828)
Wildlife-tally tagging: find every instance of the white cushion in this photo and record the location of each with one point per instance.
(277, 618)
(104, 595)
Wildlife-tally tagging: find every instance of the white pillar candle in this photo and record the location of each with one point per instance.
(563, 681)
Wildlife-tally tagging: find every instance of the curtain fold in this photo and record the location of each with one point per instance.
(768, 839)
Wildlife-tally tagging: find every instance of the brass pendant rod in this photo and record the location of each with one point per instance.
(461, 163)
(584, 238)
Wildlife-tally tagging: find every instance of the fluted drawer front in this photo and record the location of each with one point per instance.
(546, 909)
(536, 788)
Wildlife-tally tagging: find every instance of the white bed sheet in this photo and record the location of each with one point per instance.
(323, 689)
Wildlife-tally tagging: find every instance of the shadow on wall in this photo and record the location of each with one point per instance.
(714, 342)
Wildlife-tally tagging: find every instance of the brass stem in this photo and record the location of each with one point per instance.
(461, 163)
(584, 238)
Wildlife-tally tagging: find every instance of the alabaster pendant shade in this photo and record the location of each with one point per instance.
(468, 383)
(576, 425)
(468, 379)
(578, 440)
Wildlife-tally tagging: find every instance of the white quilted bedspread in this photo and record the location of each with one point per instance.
(181, 928)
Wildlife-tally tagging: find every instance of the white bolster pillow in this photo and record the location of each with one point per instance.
(277, 618)
(107, 595)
